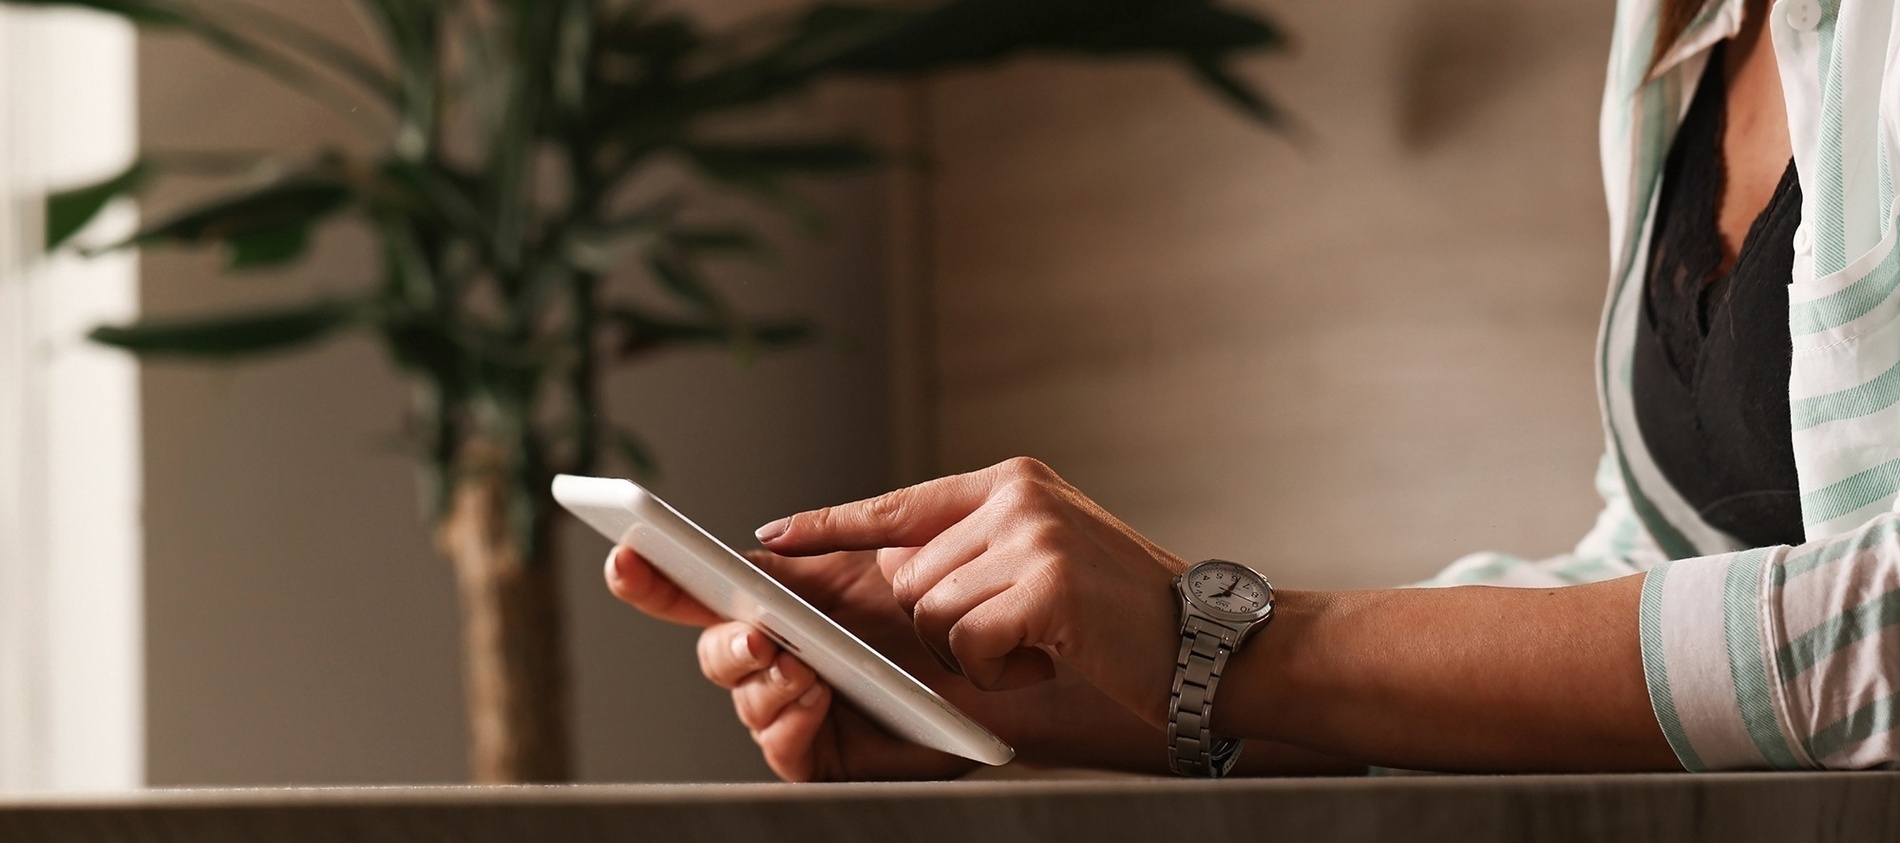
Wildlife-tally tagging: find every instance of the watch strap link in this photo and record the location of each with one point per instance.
(1192, 748)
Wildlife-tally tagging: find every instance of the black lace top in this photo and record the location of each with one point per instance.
(1712, 350)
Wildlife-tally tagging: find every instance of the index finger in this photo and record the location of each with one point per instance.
(908, 517)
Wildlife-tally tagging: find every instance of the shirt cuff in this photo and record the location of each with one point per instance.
(1709, 657)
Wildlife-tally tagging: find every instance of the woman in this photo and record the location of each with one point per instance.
(1749, 374)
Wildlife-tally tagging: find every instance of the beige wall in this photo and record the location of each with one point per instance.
(1348, 359)
(300, 630)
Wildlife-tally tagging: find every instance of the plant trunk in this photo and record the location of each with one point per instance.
(513, 659)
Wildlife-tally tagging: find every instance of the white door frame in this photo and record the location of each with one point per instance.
(71, 597)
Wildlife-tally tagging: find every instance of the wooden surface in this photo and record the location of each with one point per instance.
(1628, 809)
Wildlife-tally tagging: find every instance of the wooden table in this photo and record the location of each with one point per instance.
(1732, 808)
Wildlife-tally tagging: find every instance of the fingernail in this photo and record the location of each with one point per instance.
(776, 676)
(948, 663)
(773, 530)
(742, 647)
(811, 695)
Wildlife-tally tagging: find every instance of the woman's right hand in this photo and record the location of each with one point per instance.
(806, 735)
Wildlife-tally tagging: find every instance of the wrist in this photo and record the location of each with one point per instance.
(1265, 678)
(1069, 722)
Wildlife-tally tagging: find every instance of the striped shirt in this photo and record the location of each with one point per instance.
(1777, 657)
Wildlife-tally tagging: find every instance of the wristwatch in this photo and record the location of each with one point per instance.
(1222, 603)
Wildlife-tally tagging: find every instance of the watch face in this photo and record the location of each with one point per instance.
(1230, 588)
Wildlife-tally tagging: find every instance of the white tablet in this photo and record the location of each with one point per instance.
(732, 586)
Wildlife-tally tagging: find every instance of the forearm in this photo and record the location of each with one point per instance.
(1473, 679)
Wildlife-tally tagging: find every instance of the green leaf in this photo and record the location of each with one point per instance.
(769, 60)
(573, 53)
(69, 211)
(760, 169)
(411, 30)
(781, 334)
(722, 242)
(795, 49)
(424, 347)
(750, 339)
(145, 12)
(286, 31)
(233, 335)
(966, 32)
(746, 160)
(408, 273)
(601, 247)
(680, 279)
(1236, 92)
(266, 248)
(435, 190)
(826, 30)
(642, 332)
(265, 226)
(977, 32)
(267, 56)
(293, 203)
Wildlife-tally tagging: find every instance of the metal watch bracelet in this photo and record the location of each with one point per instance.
(1192, 748)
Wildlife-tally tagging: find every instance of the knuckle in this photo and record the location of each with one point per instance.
(963, 637)
(926, 611)
(1028, 468)
(1021, 493)
(742, 705)
(715, 654)
(797, 675)
(889, 506)
(968, 641)
(905, 586)
(1042, 533)
(1048, 581)
(751, 701)
(708, 655)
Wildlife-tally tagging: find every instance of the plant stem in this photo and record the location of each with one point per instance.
(515, 663)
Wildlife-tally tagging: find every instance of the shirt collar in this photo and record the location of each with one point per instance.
(1717, 20)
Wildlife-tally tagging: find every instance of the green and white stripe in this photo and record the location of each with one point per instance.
(1781, 657)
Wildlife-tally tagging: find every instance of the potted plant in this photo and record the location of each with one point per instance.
(500, 205)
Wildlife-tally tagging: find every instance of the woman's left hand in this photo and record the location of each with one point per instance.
(1015, 566)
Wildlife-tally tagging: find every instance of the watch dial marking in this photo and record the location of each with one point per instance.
(1229, 589)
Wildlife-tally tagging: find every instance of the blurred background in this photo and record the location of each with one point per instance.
(1347, 355)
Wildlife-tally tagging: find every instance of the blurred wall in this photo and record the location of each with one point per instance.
(1348, 358)
(300, 628)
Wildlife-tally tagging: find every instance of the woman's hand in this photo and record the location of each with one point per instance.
(807, 735)
(1014, 566)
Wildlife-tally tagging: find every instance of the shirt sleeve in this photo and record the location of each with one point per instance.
(1616, 546)
(1773, 658)
(1780, 657)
